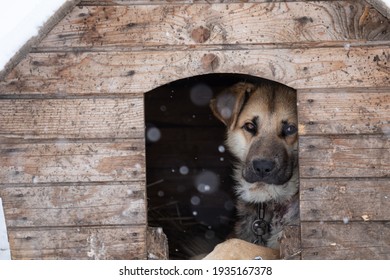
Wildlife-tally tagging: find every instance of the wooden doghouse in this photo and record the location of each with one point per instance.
(72, 166)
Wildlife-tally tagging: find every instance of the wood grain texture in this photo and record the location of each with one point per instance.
(344, 156)
(158, 2)
(78, 243)
(72, 118)
(345, 200)
(290, 243)
(121, 72)
(157, 244)
(65, 161)
(361, 241)
(344, 112)
(74, 205)
(237, 23)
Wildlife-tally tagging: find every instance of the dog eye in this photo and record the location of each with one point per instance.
(289, 129)
(250, 127)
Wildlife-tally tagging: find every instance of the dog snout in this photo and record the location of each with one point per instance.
(263, 167)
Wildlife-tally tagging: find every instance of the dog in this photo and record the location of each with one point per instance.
(262, 134)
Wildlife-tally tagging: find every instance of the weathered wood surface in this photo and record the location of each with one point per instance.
(78, 243)
(121, 72)
(290, 243)
(344, 156)
(125, 51)
(157, 244)
(167, 2)
(76, 204)
(344, 112)
(358, 240)
(71, 118)
(238, 23)
(345, 200)
(65, 161)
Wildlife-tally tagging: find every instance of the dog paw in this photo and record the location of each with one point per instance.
(237, 249)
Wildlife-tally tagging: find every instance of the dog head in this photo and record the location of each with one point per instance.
(262, 133)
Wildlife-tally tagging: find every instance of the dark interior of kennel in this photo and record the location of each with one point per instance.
(189, 184)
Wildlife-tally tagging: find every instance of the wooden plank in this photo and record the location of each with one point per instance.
(381, 6)
(72, 73)
(78, 243)
(167, 2)
(344, 156)
(72, 118)
(290, 243)
(157, 244)
(345, 200)
(344, 112)
(71, 205)
(236, 23)
(64, 161)
(362, 241)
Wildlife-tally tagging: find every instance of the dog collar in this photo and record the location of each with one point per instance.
(260, 226)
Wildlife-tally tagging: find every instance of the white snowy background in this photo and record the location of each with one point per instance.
(21, 19)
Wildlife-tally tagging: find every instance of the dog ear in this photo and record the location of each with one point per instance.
(227, 105)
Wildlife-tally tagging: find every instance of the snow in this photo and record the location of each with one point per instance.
(201, 94)
(21, 19)
(153, 134)
(4, 245)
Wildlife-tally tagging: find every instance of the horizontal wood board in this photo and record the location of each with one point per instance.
(344, 112)
(78, 243)
(344, 156)
(74, 204)
(115, 72)
(237, 23)
(69, 161)
(358, 240)
(72, 118)
(345, 200)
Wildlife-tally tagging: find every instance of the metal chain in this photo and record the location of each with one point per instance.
(260, 226)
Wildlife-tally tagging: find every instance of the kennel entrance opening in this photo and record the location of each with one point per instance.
(188, 169)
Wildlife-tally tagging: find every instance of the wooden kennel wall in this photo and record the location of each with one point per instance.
(72, 119)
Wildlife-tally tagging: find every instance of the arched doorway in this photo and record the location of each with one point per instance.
(189, 184)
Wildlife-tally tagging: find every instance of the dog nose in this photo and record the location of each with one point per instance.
(263, 166)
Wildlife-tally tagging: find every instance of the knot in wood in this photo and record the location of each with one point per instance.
(210, 62)
(200, 34)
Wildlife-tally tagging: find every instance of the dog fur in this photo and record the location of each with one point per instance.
(262, 134)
